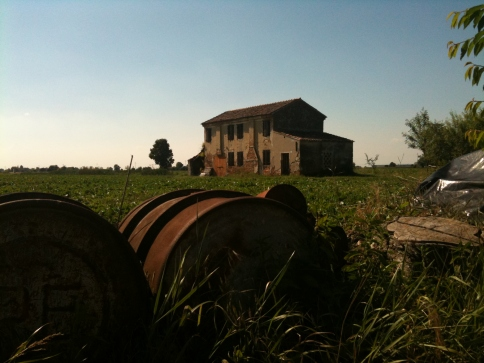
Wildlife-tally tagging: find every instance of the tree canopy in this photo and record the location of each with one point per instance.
(162, 154)
(442, 141)
(471, 17)
(472, 46)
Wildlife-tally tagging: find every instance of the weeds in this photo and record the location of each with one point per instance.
(427, 306)
(35, 350)
(432, 315)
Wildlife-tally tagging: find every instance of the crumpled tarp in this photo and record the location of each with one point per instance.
(458, 185)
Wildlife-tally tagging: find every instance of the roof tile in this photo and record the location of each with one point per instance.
(260, 110)
(315, 136)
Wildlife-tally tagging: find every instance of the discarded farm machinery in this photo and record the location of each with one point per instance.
(63, 265)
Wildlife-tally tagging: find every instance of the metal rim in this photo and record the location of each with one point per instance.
(143, 236)
(166, 242)
(91, 242)
(131, 220)
(13, 197)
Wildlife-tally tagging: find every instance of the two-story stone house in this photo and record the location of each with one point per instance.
(278, 138)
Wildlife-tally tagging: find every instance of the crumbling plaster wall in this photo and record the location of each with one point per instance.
(279, 144)
(252, 145)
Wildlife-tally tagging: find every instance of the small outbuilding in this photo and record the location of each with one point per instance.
(279, 138)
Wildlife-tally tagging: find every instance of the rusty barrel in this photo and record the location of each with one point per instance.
(63, 265)
(289, 195)
(257, 234)
(14, 197)
(129, 223)
(149, 226)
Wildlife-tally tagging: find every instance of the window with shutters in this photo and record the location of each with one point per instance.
(230, 132)
(240, 131)
(208, 135)
(266, 128)
(266, 157)
(231, 158)
(240, 158)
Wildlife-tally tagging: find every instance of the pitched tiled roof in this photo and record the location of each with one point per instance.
(331, 137)
(260, 110)
(315, 136)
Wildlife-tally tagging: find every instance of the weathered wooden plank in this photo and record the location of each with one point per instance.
(431, 230)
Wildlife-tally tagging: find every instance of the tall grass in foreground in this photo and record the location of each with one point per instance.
(429, 312)
(434, 313)
(34, 349)
(234, 326)
(425, 307)
(428, 308)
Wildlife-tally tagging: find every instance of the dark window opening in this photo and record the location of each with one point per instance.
(240, 158)
(240, 131)
(230, 132)
(285, 168)
(296, 145)
(231, 159)
(266, 128)
(266, 157)
(208, 135)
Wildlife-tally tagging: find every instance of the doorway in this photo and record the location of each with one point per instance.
(285, 170)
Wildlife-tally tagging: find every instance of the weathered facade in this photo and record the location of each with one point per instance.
(279, 138)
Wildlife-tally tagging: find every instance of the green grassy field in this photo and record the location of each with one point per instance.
(336, 198)
(368, 311)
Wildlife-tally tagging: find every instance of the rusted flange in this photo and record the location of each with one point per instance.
(288, 195)
(129, 223)
(142, 237)
(64, 265)
(261, 232)
(13, 197)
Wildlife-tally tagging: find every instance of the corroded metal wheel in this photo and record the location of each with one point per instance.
(63, 265)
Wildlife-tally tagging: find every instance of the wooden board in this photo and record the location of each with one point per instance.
(431, 230)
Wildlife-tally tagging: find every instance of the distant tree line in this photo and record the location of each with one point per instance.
(161, 153)
(90, 170)
(442, 141)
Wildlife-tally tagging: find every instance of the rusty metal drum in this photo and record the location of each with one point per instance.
(13, 197)
(152, 217)
(260, 235)
(289, 195)
(63, 265)
(131, 220)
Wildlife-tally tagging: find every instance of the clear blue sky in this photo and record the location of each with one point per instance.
(90, 83)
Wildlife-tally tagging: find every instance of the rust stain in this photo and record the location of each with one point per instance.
(205, 223)
(62, 264)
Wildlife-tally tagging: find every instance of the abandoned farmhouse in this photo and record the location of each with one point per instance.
(284, 138)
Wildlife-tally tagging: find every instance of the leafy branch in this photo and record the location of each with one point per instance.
(473, 17)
